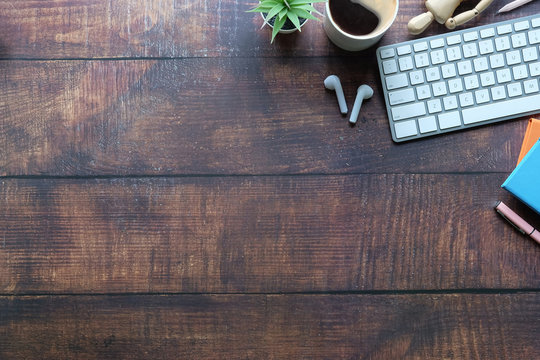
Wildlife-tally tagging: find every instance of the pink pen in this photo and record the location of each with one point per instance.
(516, 220)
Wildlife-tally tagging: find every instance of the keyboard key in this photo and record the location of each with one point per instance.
(405, 129)
(434, 106)
(530, 54)
(427, 124)
(417, 77)
(450, 103)
(387, 53)
(487, 79)
(520, 72)
(404, 50)
(521, 25)
(503, 76)
(480, 64)
(486, 47)
(471, 82)
(514, 90)
(455, 86)
(396, 81)
(481, 96)
(464, 67)
(453, 40)
(470, 36)
(439, 88)
(453, 53)
(535, 22)
(470, 50)
(437, 43)
(498, 93)
(405, 63)
(530, 86)
(420, 46)
(534, 69)
(423, 92)
(496, 61)
(501, 109)
(519, 40)
(401, 96)
(437, 57)
(466, 99)
(504, 29)
(513, 57)
(421, 60)
(449, 120)
(403, 112)
(448, 71)
(433, 74)
(486, 33)
(534, 37)
(502, 43)
(389, 67)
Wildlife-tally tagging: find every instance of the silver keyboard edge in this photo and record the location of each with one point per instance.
(427, 39)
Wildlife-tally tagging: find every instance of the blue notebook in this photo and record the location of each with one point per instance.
(524, 181)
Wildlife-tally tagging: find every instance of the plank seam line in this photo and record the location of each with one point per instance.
(173, 176)
(290, 293)
(166, 58)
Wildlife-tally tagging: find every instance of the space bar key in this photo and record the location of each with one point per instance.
(501, 109)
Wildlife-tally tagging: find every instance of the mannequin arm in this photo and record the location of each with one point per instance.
(419, 23)
(467, 15)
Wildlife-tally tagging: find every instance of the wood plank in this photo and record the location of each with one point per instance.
(271, 327)
(55, 29)
(216, 116)
(261, 234)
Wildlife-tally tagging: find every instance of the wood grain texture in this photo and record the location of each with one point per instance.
(272, 327)
(260, 234)
(55, 29)
(272, 229)
(217, 116)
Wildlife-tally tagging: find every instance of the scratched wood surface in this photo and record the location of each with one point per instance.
(446, 326)
(260, 235)
(179, 28)
(172, 185)
(216, 116)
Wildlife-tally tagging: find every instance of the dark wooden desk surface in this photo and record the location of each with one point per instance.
(174, 186)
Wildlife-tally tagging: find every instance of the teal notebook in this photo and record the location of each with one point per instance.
(524, 181)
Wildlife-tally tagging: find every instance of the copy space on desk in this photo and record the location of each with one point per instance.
(532, 134)
(524, 181)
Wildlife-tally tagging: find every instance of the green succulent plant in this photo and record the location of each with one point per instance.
(294, 10)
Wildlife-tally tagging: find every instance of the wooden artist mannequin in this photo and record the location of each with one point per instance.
(442, 11)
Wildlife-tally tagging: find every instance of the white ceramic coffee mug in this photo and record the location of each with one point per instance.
(386, 11)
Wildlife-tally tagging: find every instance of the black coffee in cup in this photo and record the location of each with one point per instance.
(353, 18)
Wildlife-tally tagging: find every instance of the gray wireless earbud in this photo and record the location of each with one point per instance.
(364, 92)
(332, 83)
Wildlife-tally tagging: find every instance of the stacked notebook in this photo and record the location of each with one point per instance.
(524, 181)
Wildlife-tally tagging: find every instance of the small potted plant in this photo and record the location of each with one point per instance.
(286, 16)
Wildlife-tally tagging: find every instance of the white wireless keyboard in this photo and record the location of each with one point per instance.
(461, 79)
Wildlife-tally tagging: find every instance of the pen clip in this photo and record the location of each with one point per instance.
(511, 223)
